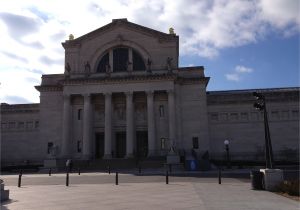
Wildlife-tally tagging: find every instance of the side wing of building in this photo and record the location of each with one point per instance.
(232, 116)
(20, 140)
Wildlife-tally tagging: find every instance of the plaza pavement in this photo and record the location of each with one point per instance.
(98, 191)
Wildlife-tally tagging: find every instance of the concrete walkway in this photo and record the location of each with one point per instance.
(231, 194)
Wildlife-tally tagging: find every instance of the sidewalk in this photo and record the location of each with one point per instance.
(176, 195)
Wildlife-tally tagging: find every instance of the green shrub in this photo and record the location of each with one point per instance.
(290, 187)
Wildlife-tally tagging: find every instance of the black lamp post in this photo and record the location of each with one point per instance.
(226, 143)
(261, 105)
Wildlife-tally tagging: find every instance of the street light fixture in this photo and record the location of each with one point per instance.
(260, 105)
(226, 143)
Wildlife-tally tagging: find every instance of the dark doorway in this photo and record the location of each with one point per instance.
(120, 144)
(141, 144)
(99, 145)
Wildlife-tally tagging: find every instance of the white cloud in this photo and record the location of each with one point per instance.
(205, 27)
(233, 77)
(239, 71)
(243, 69)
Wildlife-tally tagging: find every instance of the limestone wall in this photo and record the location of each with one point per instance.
(20, 126)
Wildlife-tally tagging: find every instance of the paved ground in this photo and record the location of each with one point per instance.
(98, 191)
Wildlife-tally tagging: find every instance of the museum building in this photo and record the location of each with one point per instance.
(123, 95)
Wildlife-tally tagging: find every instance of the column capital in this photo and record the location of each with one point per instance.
(171, 91)
(149, 92)
(128, 93)
(107, 94)
(66, 96)
(86, 95)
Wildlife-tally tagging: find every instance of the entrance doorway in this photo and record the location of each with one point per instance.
(120, 144)
(141, 144)
(99, 145)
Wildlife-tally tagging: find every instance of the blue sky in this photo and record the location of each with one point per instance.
(242, 44)
(274, 62)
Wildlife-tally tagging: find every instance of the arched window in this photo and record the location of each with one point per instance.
(121, 60)
(104, 62)
(138, 63)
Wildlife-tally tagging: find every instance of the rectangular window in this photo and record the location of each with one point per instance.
(79, 146)
(224, 116)
(295, 114)
(29, 125)
(50, 145)
(163, 143)
(244, 116)
(214, 117)
(3, 125)
(161, 111)
(195, 143)
(36, 124)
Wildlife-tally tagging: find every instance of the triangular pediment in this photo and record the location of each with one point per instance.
(116, 23)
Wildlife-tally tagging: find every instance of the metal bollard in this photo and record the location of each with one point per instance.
(108, 169)
(78, 171)
(140, 169)
(19, 180)
(50, 171)
(21, 172)
(67, 179)
(220, 176)
(117, 178)
(167, 177)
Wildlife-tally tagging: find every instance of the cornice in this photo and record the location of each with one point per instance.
(12, 111)
(190, 81)
(47, 88)
(120, 80)
(246, 97)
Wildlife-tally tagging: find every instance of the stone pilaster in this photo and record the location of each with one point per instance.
(171, 114)
(65, 147)
(129, 124)
(151, 125)
(108, 129)
(86, 146)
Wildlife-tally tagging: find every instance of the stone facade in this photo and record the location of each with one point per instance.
(123, 95)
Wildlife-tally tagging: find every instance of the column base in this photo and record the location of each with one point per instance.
(129, 156)
(151, 153)
(85, 157)
(107, 156)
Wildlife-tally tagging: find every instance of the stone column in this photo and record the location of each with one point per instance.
(108, 130)
(65, 148)
(129, 125)
(86, 146)
(171, 114)
(151, 125)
